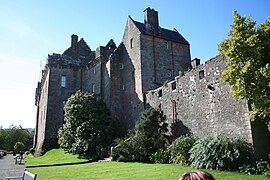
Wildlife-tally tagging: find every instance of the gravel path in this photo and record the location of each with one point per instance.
(9, 168)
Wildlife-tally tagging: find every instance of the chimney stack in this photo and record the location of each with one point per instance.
(74, 40)
(151, 21)
(195, 62)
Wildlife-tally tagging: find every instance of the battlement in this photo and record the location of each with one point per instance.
(206, 72)
(64, 60)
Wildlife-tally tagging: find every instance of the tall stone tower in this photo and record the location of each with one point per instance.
(63, 75)
(148, 56)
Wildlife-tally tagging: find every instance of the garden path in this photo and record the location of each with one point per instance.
(8, 167)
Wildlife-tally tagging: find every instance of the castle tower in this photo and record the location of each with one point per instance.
(148, 56)
(64, 74)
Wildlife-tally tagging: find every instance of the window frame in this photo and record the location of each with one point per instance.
(63, 81)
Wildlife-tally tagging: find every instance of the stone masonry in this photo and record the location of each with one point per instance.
(149, 56)
(199, 103)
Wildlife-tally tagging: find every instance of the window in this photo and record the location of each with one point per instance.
(201, 74)
(131, 43)
(211, 87)
(174, 85)
(121, 66)
(93, 88)
(160, 93)
(122, 87)
(169, 73)
(166, 45)
(63, 81)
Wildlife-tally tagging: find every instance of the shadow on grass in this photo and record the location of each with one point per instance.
(62, 164)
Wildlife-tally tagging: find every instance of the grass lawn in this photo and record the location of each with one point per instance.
(113, 170)
(54, 156)
(120, 170)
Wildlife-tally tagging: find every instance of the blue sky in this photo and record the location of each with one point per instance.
(30, 30)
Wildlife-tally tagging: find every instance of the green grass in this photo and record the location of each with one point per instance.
(120, 170)
(113, 170)
(54, 156)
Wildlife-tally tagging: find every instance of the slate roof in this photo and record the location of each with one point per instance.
(163, 33)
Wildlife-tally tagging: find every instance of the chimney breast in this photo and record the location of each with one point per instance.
(151, 20)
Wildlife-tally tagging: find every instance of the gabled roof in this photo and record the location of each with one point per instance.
(163, 33)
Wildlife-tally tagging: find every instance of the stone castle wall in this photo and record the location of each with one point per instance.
(199, 103)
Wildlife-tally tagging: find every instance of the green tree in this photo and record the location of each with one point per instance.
(13, 134)
(88, 125)
(19, 146)
(148, 136)
(248, 60)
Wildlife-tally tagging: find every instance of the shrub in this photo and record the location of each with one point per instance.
(180, 73)
(165, 83)
(267, 173)
(161, 156)
(19, 146)
(131, 149)
(247, 169)
(260, 168)
(151, 91)
(148, 136)
(219, 152)
(179, 150)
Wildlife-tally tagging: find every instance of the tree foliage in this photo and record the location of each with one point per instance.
(247, 50)
(19, 146)
(88, 125)
(13, 134)
(148, 136)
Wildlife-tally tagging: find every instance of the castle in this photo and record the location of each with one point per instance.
(147, 58)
